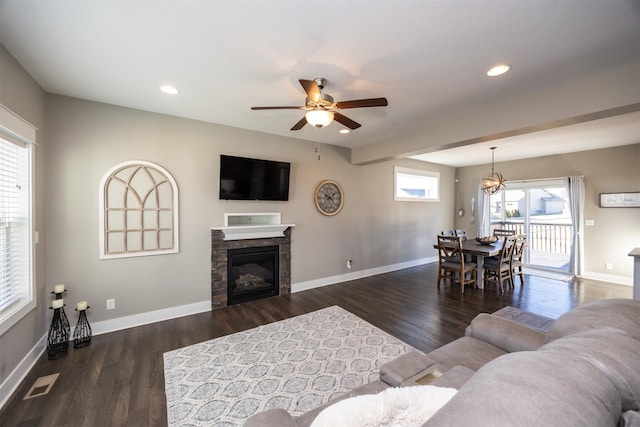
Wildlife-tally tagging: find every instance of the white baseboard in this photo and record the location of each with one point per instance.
(311, 284)
(11, 384)
(621, 280)
(134, 320)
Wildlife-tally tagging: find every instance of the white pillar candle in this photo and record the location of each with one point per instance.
(57, 303)
(82, 305)
(58, 289)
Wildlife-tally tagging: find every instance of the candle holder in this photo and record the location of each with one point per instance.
(58, 294)
(58, 337)
(82, 332)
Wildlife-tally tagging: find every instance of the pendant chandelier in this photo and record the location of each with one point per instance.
(494, 182)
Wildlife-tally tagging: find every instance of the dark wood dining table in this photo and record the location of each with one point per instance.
(480, 251)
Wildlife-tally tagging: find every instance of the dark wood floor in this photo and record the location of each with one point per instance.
(118, 380)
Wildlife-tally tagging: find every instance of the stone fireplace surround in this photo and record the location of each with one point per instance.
(219, 248)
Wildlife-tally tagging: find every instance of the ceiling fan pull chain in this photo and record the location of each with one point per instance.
(316, 150)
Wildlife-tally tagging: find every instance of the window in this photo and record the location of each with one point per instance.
(416, 185)
(138, 211)
(17, 294)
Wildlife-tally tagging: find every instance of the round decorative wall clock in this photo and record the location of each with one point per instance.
(329, 197)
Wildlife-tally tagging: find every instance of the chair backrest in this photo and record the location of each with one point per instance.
(518, 250)
(462, 232)
(447, 233)
(506, 252)
(501, 233)
(449, 247)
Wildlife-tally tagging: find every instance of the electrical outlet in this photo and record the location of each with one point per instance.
(349, 264)
(608, 266)
(111, 304)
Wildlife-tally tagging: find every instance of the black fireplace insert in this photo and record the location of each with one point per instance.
(252, 273)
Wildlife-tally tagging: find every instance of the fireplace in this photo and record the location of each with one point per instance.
(253, 273)
(262, 234)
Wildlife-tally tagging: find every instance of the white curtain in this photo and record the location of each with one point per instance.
(484, 214)
(575, 189)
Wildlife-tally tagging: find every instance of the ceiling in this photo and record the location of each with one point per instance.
(428, 58)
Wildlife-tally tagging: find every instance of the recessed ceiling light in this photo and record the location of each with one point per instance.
(344, 131)
(498, 70)
(169, 90)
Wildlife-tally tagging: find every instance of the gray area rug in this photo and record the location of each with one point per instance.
(534, 321)
(296, 364)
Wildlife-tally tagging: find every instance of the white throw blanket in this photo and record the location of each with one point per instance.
(393, 407)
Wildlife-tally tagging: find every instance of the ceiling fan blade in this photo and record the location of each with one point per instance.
(300, 124)
(278, 108)
(346, 121)
(359, 103)
(312, 90)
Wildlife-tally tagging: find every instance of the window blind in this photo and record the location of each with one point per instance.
(14, 220)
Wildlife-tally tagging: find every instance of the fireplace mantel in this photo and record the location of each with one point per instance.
(240, 226)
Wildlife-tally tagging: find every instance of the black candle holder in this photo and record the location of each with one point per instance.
(58, 337)
(82, 332)
(58, 294)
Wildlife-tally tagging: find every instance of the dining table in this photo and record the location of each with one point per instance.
(480, 251)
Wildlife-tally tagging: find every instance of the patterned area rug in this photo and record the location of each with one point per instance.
(534, 321)
(296, 364)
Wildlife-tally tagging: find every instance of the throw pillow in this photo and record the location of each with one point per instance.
(393, 407)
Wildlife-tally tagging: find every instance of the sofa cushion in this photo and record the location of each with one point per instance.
(616, 355)
(455, 377)
(466, 351)
(540, 388)
(611, 314)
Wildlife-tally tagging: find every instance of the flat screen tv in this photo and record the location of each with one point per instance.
(242, 178)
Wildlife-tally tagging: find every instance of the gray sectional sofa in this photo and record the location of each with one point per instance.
(585, 371)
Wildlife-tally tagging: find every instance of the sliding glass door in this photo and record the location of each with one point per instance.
(539, 209)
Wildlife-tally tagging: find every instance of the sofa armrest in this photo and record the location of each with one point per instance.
(504, 333)
(404, 367)
(271, 418)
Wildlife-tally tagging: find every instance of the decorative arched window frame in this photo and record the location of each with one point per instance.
(138, 209)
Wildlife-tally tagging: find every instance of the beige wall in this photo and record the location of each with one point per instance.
(86, 139)
(616, 230)
(23, 96)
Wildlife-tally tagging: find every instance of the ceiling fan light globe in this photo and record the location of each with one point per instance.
(319, 118)
(498, 70)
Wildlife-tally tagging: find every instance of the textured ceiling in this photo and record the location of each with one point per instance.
(428, 58)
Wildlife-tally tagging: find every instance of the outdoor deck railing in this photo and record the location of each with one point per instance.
(555, 238)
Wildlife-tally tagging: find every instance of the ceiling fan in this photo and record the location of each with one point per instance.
(322, 109)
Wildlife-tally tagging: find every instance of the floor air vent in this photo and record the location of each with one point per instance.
(41, 387)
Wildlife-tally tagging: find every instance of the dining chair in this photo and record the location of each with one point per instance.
(461, 232)
(501, 233)
(498, 269)
(517, 258)
(452, 265)
(447, 233)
